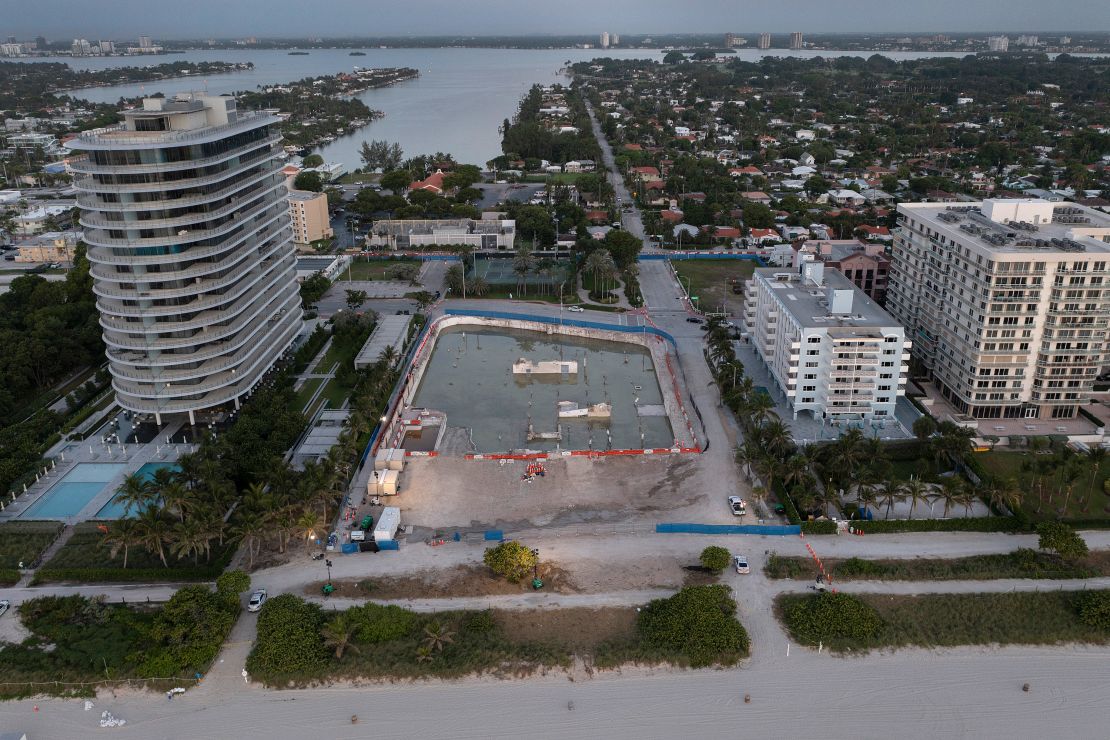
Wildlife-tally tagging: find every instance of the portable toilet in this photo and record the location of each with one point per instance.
(388, 524)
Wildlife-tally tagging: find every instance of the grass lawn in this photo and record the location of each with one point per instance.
(903, 470)
(335, 393)
(85, 559)
(300, 400)
(354, 178)
(944, 620)
(711, 279)
(1018, 564)
(1006, 464)
(373, 269)
(23, 542)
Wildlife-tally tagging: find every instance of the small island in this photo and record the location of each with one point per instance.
(357, 54)
(298, 53)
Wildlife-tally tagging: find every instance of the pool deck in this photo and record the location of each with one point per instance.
(68, 454)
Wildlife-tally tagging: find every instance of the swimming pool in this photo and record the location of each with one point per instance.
(74, 491)
(114, 509)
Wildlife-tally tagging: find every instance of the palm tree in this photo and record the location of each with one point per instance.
(1096, 456)
(175, 497)
(889, 492)
(748, 455)
(760, 407)
(339, 633)
(123, 534)
(135, 492)
(866, 496)
(951, 491)
(523, 262)
(250, 529)
(437, 635)
(776, 437)
(307, 525)
(915, 491)
(795, 470)
(1072, 470)
(188, 538)
(154, 532)
(1003, 496)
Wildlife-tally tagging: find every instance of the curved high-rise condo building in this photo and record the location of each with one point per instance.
(185, 216)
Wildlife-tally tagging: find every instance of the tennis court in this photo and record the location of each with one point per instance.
(500, 272)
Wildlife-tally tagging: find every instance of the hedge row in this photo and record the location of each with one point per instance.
(825, 526)
(130, 575)
(970, 524)
(9, 576)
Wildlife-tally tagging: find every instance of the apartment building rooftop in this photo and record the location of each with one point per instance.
(1021, 226)
(820, 297)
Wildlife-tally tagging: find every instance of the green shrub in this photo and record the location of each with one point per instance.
(699, 622)
(188, 632)
(715, 558)
(9, 576)
(828, 616)
(860, 568)
(510, 560)
(823, 526)
(788, 567)
(481, 623)
(1062, 540)
(1094, 609)
(289, 642)
(377, 623)
(233, 582)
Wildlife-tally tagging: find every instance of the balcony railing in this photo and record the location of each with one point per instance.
(86, 166)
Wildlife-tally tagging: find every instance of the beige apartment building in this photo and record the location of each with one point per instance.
(184, 212)
(308, 212)
(1006, 301)
(53, 246)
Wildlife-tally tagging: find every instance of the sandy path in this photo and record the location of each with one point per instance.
(909, 694)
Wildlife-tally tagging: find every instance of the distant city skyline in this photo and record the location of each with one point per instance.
(114, 19)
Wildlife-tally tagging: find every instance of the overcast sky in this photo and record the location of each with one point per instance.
(121, 19)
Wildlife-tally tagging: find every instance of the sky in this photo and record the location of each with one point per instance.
(126, 19)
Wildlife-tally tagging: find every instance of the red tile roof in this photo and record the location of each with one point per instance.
(433, 183)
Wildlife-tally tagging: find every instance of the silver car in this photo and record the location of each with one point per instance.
(258, 598)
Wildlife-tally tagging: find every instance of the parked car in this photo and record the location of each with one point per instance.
(575, 309)
(4, 605)
(258, 598)
(738, 506)
(741, 563)
(694, 320)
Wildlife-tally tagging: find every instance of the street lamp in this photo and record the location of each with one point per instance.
(328, 587)
(536, 582)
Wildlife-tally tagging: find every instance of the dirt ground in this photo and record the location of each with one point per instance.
(462, 580)
(448, 493)
(574, 628)
(579, 576)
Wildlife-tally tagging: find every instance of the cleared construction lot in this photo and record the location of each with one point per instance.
(454, 493)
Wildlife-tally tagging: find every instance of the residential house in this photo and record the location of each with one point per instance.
(433, 183)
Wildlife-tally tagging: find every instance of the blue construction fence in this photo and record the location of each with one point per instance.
(771, 529)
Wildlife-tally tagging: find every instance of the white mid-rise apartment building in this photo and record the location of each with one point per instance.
(833, 351)
(184, 211)
(1007, 302)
